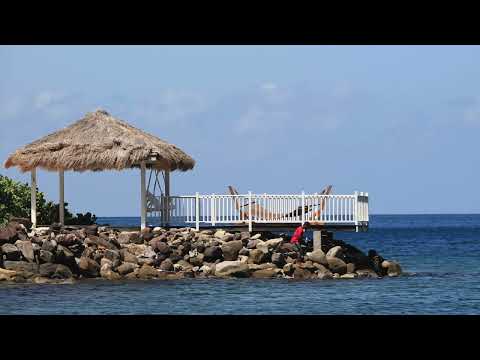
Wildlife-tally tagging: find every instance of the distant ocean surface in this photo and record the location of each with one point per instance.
(439, 253)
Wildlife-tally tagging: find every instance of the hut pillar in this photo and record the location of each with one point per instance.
(61, 201)
(33, 198)
(143, 202)
(167, 196)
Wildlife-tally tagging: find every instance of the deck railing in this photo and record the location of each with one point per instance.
(262, 209)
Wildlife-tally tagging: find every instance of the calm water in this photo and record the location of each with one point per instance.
(441, 254)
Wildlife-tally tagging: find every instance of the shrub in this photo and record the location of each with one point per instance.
(15, 201)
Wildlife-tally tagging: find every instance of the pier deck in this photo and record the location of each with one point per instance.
(261, 212)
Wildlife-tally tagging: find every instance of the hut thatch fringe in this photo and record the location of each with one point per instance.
(99, 142)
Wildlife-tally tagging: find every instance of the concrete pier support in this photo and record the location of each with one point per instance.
(317, 240)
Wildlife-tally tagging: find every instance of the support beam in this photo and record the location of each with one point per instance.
(143, 201)
(61, 197)
(317, 240)
(33, 198)
(167, 196)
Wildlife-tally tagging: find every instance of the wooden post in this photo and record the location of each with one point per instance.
(197, 211)
(33, 197)
(61, 201)
(303, 207)
(250, 227)
(143, 199)
(167, 196)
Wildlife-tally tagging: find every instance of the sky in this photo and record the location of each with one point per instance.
(399, 122)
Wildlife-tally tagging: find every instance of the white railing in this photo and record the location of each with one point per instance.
(262, 209)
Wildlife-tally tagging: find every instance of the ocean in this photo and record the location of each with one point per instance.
(440, 255)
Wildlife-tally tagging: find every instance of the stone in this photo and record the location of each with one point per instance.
(350, 268)
(252, 244)
(336, 265)
(46, 257)
(20, 266)
(160, 247)
(317, 256)
(348, 276)
(278, 259)
(182, 265)
(136, 249)
(88, 267)
(335, 251)
(368, 273)
(212, 253)
(265, 273)
(393, 268)
(219, 234)
(112, 255)
(66, 239)
(166, 265)
(101, 242)
(147, 272)
(199, 246)
(47, 270)
(64, 256)
(127, 237)
(197, 260)
(286, 247)
(308, 265)
(127, 256)
(104, 262)
(7, 275)
(256, 256)
(27, 249)
(324, 275)
(49, 245)
(8, 234)
(244, 252)
(62, 272)
(11, 252)
(91, 229)
(301, 274)
(207, 270)
(228, 237)
(231, 268)
(126, 268)
(256, 236)
(41, 280)
(254, 267)
(231, 249)
(288, 269)
(244, 235)
(263, 246)
(273, 243)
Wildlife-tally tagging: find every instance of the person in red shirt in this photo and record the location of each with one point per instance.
(298, 236)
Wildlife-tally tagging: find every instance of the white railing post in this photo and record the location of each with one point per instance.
(213, 210)
(303, 207)
(366, 208)
(250, 227)
(355, 210)
(197, 211)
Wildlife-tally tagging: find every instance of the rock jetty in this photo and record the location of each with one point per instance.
(58, 254)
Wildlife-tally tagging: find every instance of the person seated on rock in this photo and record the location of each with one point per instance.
(297, 238)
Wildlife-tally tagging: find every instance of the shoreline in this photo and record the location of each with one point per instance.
(68, 255)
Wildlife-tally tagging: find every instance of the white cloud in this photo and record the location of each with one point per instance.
(47, 98)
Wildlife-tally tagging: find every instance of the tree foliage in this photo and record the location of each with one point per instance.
(15, 201)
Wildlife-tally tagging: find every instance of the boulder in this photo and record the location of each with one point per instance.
(160, 247)
(369, 273)
(244, 235)
(265, 273)
(231, 268)
(8, 234)
(101, 242)
(254, 267)
(228, 237)
(47, 270)
(146, 234)
(273, 243)
(324, 275)
(257, 256)
(219, 234)
(46, 257)
(147, 272)
(335, 251)
(11, 252)
(393, 268)
(66, 239)
(256, 236)
(126, 268)
(127, 237)
(231, 249)
(286, 247)
(301, 274)
(252, 244)
(212, 253)
(348, 276)
(336, 265)
(137, 249)
(278, 259)
(288, 269)
(317, 256)
(263, 246)
(199, 246)
(112, 255)
(91, 229)
(182, 265)
(205, 269)
(62, 272)
(350, 268)
(166, 265)
(20, 266)
(49, 245)
(88, 267)
(27, 249)
(127, 256)
(7, 275)
(64, 256)
(244, 252)
(197, 260)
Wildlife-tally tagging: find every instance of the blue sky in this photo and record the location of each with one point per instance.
(400, 122)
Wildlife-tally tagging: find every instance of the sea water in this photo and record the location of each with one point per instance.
(440, 255)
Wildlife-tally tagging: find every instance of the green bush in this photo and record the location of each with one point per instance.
(15, 201)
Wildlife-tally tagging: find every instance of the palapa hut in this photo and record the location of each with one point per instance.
(99, 142)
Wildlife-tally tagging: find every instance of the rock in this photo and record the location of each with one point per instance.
(49, 245)
(257, 256)
(62, 272)
(102, 242)
(182, 265)
(66, 239)
(64, 256)
(367, 273)
(244, 235)
(199, 246)
(337, 265)
(273, 243)
(20, 266)
(301, 274)
(207, 270)
(46, 257)
(212, 253)
(27, 249)
(88, 267)
(227, 237)
(8, 234)
(47, 270)
(136, 249)
(219, 234)
(41, 280)
(252, 244)
(127, 256)
(231, 268)
(91, 229)
(127, 237)
(166, 265)
(147, 272)
(263, 246)
(146, 234)
(160, 247)
(278, 259)
(324, 275)
(350, 268)
(244, 252)
(112, 255)
(286, 247)
(318, 256)
(7, 275)
(11, 252)
(254, 267)
(265, 273)
(255, 237)
(26, 222)
(197, 260)
(126, 268)
(231, 249)
(393, 268)
(335, 251)
(104, 262)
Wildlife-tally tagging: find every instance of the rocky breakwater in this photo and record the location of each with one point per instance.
(64, 255)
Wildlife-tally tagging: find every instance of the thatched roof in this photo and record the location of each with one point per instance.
(99, 142)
